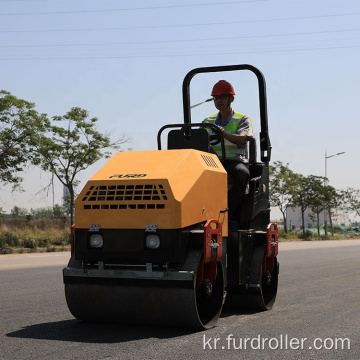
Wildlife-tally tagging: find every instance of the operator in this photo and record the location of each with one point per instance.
(237, 130)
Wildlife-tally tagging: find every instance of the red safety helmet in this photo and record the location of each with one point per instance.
(222, 87)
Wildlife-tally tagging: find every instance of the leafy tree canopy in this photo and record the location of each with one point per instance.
(19, 121)
(281, 178)
(18, 212)
(351, 198)
(56, 212)
(71, 144)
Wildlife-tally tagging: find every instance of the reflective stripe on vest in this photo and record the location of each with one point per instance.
(231, 149)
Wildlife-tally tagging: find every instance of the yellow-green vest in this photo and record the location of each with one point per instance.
(231, 150)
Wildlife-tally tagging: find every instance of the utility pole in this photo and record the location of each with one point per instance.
(325, 183)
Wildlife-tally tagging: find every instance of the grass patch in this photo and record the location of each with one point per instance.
(42, 233)
(311, 234)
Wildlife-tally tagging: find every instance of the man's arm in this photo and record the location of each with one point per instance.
(237, 139)
(244, 132)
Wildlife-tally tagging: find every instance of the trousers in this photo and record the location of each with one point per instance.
(240, 174)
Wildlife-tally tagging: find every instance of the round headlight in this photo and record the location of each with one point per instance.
(96, 241)
(152, 241)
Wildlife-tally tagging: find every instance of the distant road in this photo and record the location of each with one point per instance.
(317, 307)
(308, 245)
(23, 261)
(26, 261)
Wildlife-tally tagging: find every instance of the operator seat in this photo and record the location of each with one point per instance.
(198, 139)
(254, 205)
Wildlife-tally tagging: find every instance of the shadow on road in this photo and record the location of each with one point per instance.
(86, 332)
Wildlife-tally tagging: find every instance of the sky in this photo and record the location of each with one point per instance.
(124, 62)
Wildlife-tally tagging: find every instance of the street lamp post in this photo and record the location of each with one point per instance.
(325, 183)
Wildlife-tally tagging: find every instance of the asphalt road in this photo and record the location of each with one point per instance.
(317, 307)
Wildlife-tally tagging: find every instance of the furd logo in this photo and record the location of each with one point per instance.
(127, 176)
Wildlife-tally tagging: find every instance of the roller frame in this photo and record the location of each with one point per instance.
(144, 297)
(129, 274)
(213, 252)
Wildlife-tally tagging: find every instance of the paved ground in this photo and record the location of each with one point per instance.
(36, 260)
(317, 306)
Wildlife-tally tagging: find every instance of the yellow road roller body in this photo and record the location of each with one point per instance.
(172, 188)
(139, 237)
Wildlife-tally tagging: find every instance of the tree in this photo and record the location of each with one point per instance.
(66, 204)
(335, 200)
(325, 198)
(17, 212)
(281, 178)
(18, 122)
(351, 198)
(43, 213)
(56, 212)
(303, 191)
(65, 151)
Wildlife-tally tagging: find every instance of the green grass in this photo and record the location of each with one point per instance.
(34, 234)
(313, 235)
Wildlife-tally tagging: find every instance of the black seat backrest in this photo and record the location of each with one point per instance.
(198, 139)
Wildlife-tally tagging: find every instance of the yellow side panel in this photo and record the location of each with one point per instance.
(169, 188)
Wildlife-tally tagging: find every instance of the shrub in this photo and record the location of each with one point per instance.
(30, 243)
(8, 238)
(308, 234)
(282, 234)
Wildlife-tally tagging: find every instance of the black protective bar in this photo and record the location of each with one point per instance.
(265, 145)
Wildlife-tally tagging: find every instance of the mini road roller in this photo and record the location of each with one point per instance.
(152, 243)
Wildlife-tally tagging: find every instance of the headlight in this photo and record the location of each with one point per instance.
(96, 241)
(152, 241)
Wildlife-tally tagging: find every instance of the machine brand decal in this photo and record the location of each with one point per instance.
(127, 176)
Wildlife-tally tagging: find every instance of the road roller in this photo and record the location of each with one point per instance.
(152, 242)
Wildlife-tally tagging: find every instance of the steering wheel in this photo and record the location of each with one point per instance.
(215, 139)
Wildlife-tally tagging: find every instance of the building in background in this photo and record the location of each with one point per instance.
(66, 198)
(340, 217)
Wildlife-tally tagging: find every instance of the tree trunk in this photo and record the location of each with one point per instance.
(331, 224)
(71, 191)
(325, 223)
(303, 221)
(285, 225)
(318, 222)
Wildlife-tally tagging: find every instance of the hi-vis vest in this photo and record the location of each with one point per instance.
(232, 151)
